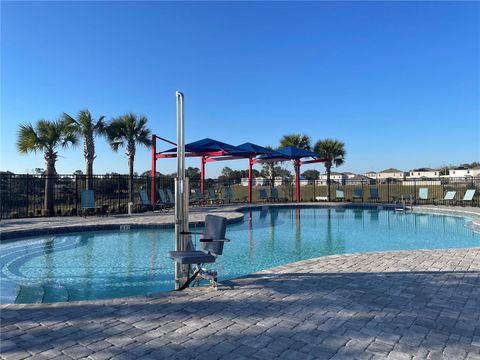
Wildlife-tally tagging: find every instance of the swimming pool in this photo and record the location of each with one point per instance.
(110, 264)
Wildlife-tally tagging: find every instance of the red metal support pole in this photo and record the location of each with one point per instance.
(154, 169)
(250, 175)
(203, 160)
(297, 179)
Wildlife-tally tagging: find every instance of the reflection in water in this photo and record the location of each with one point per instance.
(298, 231)
(86, 241)
(48, 249)
(331, 245)
(250, 234)
(153, 251)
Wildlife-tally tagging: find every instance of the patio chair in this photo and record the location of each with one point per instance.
(213, 198)
(88, 203)
(339, 195)
(170, 196)
(449, 197)
(211, 245)
(274, 194)
(144, 200)
(163, 201)
(262, 194)
(358, 194)
(229, 194)
(423, 194)
(373, 194)
(199, 198)
(468, 197)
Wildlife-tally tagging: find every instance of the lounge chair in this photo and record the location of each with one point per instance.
(468, 197)
(88, 203)
(213, 198)
(449, 197)
(339, 195)
(274, 194)
(228, 194)
(262, 194)
(199, 198)
(163, 201)
(211, 245)
(423, 194)
(170, 196)
(373, 194)
(144, 200)
(357, 194)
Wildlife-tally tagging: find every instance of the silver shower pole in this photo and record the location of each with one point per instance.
(181, 196)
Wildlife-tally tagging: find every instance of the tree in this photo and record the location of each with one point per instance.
(46, 136)
(334, 152)
(268, 168)
(87, 128)
(297, 140)
(127, 131)
(192, 173)
(311, 174)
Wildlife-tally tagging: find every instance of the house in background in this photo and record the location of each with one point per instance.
(423, 173)
(259, 181)
(371, 175)
(334, 176)
(349, 175)
(361, 180)
(461, 173)
(391, 174)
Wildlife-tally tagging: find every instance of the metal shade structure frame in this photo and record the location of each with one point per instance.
(213, 151)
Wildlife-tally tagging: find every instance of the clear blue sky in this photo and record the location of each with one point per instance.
(398, 82)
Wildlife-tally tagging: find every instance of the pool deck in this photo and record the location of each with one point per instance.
(422, 304)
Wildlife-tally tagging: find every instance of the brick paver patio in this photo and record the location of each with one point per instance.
(395, 305)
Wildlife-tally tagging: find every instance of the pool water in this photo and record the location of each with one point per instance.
(109, 264)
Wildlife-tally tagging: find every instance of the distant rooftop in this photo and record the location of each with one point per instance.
(391, 170)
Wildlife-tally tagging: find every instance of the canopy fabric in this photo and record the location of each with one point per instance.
(297, 153)
(288, 153)
(255, 149)
(208, 145)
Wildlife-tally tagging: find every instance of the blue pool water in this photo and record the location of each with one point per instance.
(108, 264)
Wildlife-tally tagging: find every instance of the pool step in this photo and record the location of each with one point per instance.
(54, 293)
(31, 294)
(37, 294)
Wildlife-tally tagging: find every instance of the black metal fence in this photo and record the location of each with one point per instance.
(23, 195)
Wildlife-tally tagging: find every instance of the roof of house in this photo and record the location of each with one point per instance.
(349, 173)
(360, 177)
(423, 169)
(371, 172)
(391, 170)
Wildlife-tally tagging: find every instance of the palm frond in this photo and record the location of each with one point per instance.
(28, 140)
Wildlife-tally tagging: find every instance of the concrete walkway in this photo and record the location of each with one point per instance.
(395, 305)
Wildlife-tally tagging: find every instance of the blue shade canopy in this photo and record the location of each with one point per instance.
(209, 145)
(255, 149)
(289, 153)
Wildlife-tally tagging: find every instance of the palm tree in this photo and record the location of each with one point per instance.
(334, 152)
(86, 127)
(46, 136)
(128, 130)
(299, 141)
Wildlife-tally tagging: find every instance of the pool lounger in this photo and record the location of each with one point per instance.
(211, 245)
